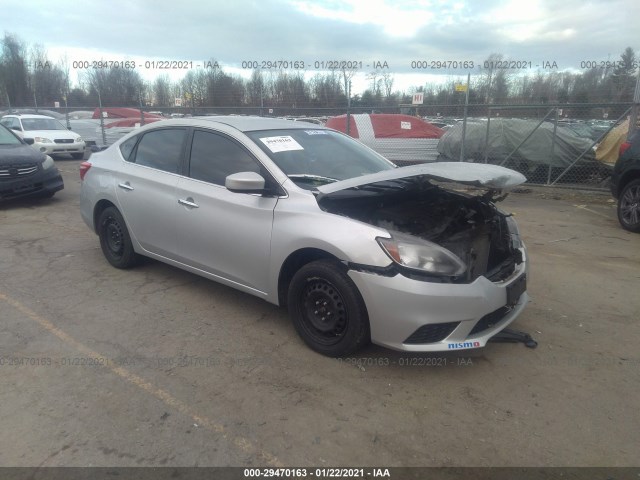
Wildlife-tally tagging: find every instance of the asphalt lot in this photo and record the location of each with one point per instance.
(159, 367)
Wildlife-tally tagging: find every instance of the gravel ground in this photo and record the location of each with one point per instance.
(159, 367)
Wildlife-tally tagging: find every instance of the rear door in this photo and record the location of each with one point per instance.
(220, 232)
(146, 187)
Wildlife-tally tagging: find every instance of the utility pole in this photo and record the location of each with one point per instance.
(464, 120)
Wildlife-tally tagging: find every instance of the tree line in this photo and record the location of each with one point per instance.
(29, 78)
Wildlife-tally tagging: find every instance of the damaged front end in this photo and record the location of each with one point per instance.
(458, 269)
(437, 233)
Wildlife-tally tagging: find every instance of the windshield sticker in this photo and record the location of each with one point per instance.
(405, 125)
(315, 132)
(281, 144)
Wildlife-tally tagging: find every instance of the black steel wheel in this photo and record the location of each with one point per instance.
(629, 207)
(115, 240)
(327, 309)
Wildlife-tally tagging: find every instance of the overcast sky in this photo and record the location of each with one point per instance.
(567, 32)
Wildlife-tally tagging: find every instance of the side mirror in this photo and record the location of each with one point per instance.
(245, 182)
(68, 128)
(16, 128)
(28, 141)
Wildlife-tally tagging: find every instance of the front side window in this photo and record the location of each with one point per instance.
(214, 157)
(161, 149)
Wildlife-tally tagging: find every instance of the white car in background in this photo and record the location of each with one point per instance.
(49, 135)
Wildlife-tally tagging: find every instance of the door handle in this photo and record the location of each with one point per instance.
(125, 186)
(188, 202)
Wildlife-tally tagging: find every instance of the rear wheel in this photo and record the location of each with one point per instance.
(115, 240)
(327, 309)
(629, 207)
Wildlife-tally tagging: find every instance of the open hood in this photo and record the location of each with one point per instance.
(492, 177)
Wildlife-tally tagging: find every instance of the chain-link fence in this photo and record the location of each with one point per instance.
(569, 144)
(550, 145)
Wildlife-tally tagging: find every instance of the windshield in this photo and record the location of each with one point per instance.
(318, 156)
(8, 138)
(41, 124)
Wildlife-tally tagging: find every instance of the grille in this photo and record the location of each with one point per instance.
(64, 140)
(490, 319)
(12, 171)
(435, 332)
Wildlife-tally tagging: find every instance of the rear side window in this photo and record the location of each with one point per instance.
(127, 147)
(161, 149)
(214, 157)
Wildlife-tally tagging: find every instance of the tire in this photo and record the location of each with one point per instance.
(629, 206)
(327, 309)
(77, 156)
(115, 240)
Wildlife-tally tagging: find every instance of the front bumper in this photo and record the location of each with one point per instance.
(59, 148)
(402, 311)
(42, 182)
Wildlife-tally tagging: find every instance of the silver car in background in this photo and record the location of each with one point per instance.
(304, 216)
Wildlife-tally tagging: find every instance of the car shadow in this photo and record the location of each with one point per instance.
(32, 201)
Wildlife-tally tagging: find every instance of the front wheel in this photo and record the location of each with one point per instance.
(327, 309)
(115, 240)
(629, 207)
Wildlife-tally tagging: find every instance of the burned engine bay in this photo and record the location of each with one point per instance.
(468, 225)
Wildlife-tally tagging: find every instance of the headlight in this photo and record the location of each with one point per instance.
(48, 163)
(42, 140)
(78, 140)
(418, 254)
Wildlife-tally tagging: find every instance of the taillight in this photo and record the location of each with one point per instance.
(624, 147)
(84, 168)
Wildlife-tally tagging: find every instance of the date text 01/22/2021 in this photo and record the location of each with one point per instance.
(324, 472)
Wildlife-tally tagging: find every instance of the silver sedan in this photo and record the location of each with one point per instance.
(306, 217)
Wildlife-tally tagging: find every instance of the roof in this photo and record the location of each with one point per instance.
(33, 111)
(250, 124)
(28, 115)
(242, 124)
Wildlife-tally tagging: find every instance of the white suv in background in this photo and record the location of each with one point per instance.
(49, 135)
